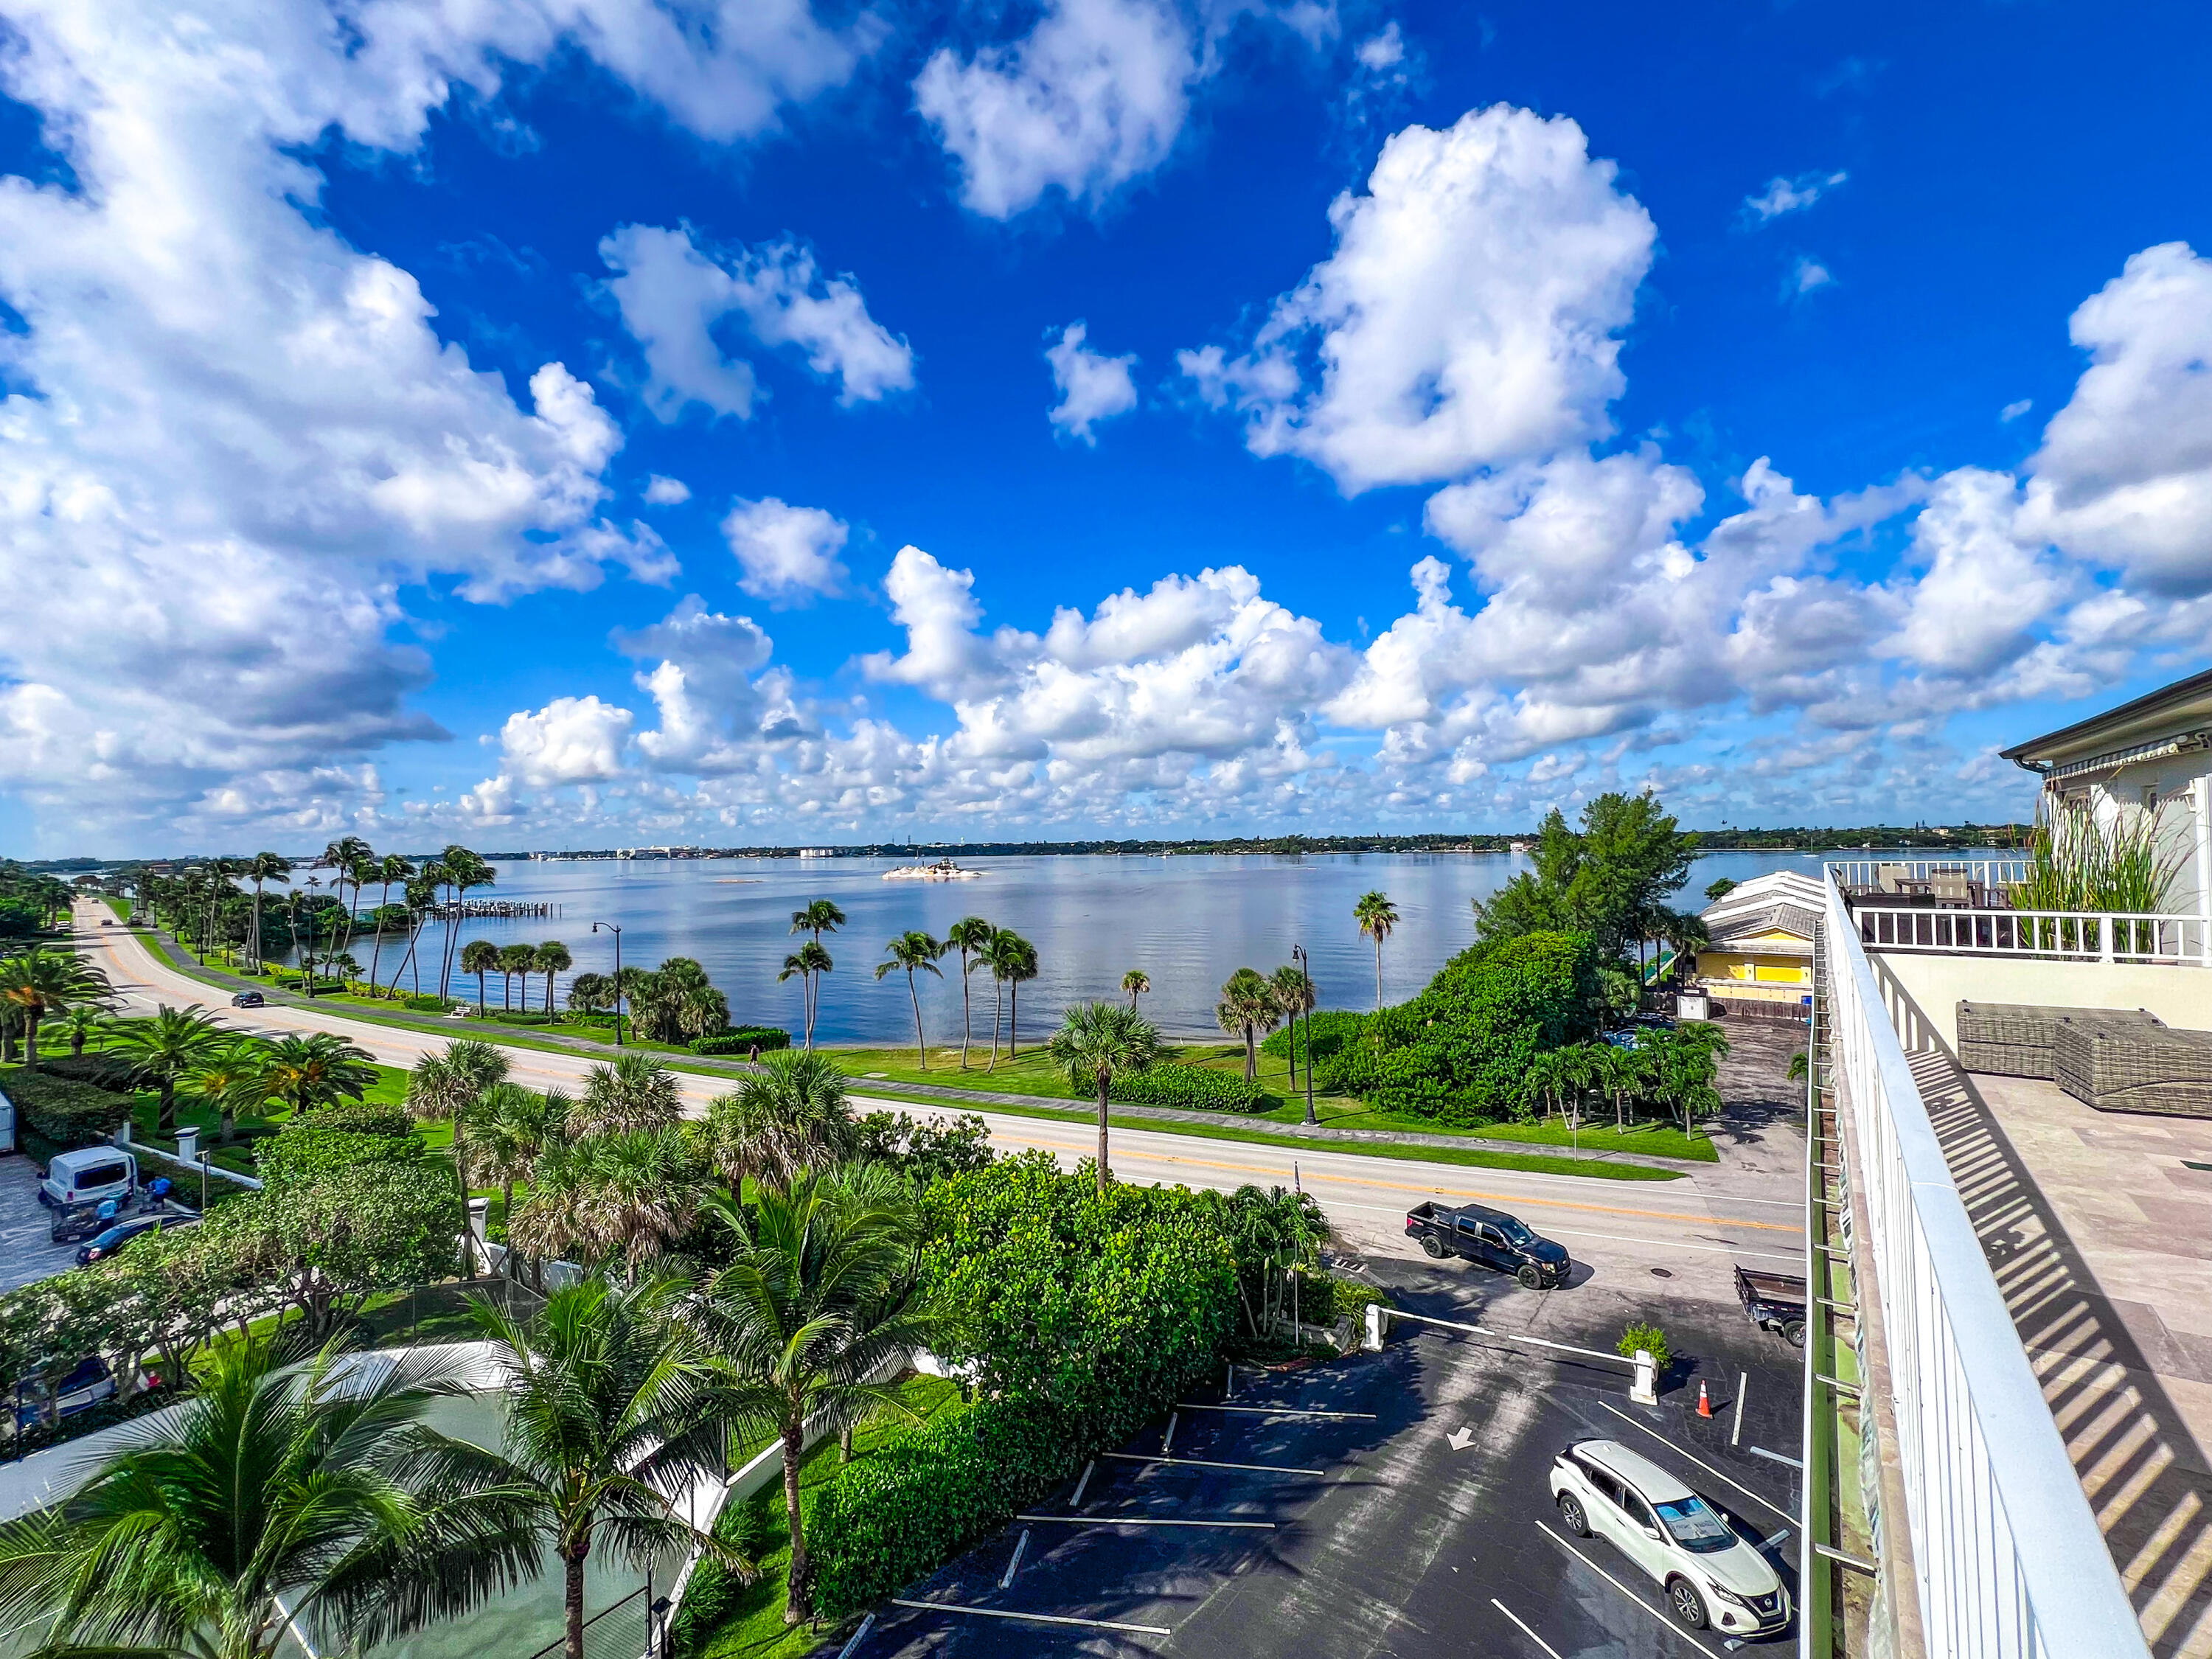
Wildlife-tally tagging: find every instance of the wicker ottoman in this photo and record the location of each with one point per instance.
(2014, 1040)
(2117, 1068)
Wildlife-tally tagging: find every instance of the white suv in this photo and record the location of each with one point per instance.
(1711, 1575)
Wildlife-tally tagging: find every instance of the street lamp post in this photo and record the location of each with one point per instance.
(1304, 964)
(611, 928)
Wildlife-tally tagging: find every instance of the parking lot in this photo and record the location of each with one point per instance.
(27, 1254)
(1386, 1504)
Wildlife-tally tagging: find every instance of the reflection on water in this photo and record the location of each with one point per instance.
(1189, 922)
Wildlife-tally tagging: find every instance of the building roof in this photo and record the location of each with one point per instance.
(2179, 711)
(1782, 901)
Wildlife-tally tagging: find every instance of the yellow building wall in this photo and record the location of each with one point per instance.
(1753, 968)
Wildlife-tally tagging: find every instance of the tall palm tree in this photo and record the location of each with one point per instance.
(1248, 1007)
(820, 916)
(480, 957)
(819, 1297)
(39, 982)
(1376, 916)
(968, 935)
(1097, 1042)
(549, 958)
(272, 1498)
(391, 868)
(345, 859)
(637, 1092)
(232, 1078)
(316, 1068)
(910, 950)
(422, 896)
(809, 961)
(1295, 994)
(611, 1417)
(790, 1116)
(516, 959)
(449, 1084)
(510, 1128)
(166, 1047)
(1013, 962)
(463, 870)
(261, 867)
(1136, 982)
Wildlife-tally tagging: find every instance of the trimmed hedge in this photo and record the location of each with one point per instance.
(113, 1073)
(308, 1150)
(740, 1041)
(1201, 1088)
(354, 1117)
(427, 1005)
(899, 1515)
(63, 1110)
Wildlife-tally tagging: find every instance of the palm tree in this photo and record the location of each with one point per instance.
(83, 1020)
(167, 1046)
(422, 896)
(480, 957)
(391, 868)
(819, 917)
(232, 1078)
(807, 962)
(627, 1194)
(1376, 916)
(549, 958)
(1277, 1234)
(463, 870)
(788, 1117)
(1136, 982)
(1247, 1006)
(516, 959)
(1295, 994)
(510, 1128)
(262, 866)
(1097, 1042)
(820, 1296)
(610, 1416)
(1014, 960)
(968, 935)
(449, 1085)
(637, 1092)
(910, 950)
(38, 982)
(316, 1068)
(348, 858)
(590, 992)
(272, 1498)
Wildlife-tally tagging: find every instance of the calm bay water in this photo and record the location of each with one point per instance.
(1189, 922)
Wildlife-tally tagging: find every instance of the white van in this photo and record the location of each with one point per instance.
(90, 1175)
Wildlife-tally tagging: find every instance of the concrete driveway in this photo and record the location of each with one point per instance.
(27, 1254)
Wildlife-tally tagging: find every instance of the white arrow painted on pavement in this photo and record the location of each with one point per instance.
(1460, 1440)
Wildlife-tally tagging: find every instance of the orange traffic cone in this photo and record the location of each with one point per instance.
(1704, 1402)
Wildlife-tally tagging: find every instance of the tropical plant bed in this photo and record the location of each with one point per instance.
(722, 1619)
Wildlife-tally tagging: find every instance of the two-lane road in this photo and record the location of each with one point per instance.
(1685, 1230)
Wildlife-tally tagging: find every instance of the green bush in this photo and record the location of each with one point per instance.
(425, 1005)
(741, 1041)
(306, 1151)
(1333, 1028)
(889, 1520)
(1650, 1339)
(1459, 1051)
(1325, 1298)
(1171, 1082)
(111, 1071)
(355, 1117)
(64, 1111)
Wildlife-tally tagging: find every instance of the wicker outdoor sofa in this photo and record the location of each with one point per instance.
(2113, 1060)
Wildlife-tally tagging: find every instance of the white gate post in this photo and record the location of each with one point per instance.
(1373, 1342)
(1644, 1390)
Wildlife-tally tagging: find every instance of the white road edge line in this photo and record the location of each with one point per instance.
(1525, 1631)
(1627, 1592)
(1274, 1411)
(1145, 1521)
(1700, 1462)
(1206, 1463)
(1034, 1618)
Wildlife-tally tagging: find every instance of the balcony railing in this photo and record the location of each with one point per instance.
(1853, 874)
(2007, 1559)
(2080, 936)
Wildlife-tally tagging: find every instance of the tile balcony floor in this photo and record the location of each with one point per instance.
(2100, 1238)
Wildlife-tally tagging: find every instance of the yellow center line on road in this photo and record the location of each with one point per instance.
(1521, 1199)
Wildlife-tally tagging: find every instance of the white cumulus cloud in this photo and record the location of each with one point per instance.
(786, 554)
(570, 740)
(1092, 386)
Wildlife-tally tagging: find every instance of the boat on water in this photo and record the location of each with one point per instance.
(943, 870)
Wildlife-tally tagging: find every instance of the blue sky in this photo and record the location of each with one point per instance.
(1709, 356)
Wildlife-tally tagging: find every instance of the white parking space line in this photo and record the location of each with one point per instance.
(1274, 1411)
(1742, 1388)
(1167, 1441)
(1774, 1457)
(1014, 1566)
(1076, 1502)
(1525, 1631)
(1699, 1461)
(858, 1636)
(1206, 1464)
(1147, 1521)
(1033, 1618)
(1627, 1592)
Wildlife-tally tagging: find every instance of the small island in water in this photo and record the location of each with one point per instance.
(943, 870)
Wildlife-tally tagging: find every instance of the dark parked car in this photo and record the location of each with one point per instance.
(1492, 1237)
(1774, 1302)
(105, 1244)
(247, 999)
(85, 1387)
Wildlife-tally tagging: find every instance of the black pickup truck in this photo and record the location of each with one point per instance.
(1774, 1302)
(1492, 1237)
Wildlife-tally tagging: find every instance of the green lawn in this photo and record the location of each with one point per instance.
(120, 906)
(746, 1622)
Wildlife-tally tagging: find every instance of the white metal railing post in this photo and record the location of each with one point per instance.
(2009, 1562)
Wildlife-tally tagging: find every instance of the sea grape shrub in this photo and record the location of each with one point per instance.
(1458, 1051)
(923, 1148)
(306, 1150)
(1171, 1082)
(1333, 1029)
(742, 1040)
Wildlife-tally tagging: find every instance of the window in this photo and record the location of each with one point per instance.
(1606, 1486)
(1492, 1237)
(1514, 1231)
(98, 1175)
(1638, 1510)
(1695, 1526)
